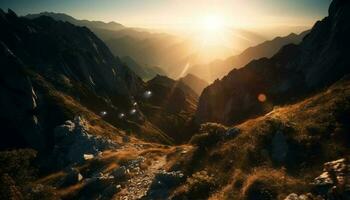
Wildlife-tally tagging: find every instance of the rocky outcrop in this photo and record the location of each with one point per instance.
(320, 59)
(73, 143)
(334, 182)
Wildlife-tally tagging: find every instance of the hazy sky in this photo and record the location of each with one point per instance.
(173, 13)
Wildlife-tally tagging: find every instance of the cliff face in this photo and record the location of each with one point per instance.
(318, 61)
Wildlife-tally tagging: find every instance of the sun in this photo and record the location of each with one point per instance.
(211, 30)
(212, 23)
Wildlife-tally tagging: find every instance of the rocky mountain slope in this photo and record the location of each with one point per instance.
(44, 60)
(319, 60)
(172, 107)
(219, 68)
(195, 83)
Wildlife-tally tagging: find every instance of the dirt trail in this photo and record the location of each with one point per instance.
(138, 185)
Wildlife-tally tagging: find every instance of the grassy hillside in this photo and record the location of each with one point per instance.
(270, 156)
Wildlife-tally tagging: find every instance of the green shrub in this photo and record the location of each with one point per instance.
(209, 135)
(270, 184)
(198, 186)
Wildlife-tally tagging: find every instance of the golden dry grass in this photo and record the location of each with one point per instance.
(315, 129)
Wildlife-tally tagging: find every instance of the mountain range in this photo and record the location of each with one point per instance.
(77, 123)
(166, 51)
(218, 68)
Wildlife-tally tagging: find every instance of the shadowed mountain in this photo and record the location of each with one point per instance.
(195, 83)
(44, 61)
(219, 68)
(171, 107)
(319, 60)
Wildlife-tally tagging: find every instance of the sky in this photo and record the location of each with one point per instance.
(182, 13)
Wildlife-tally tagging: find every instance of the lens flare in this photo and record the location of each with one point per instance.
(147, 94)
(133, 111)
(121, 115)
(262, 97)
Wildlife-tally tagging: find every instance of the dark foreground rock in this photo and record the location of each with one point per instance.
(74, 144)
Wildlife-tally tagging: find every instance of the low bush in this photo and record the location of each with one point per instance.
(197, 186)
(270, 184)
(209, 135)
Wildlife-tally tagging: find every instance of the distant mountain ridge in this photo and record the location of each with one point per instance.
(166, 51)
(219, 68)
(319, 60)
(113, 26)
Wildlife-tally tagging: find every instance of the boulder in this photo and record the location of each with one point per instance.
(335, 179)
(74, 144)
